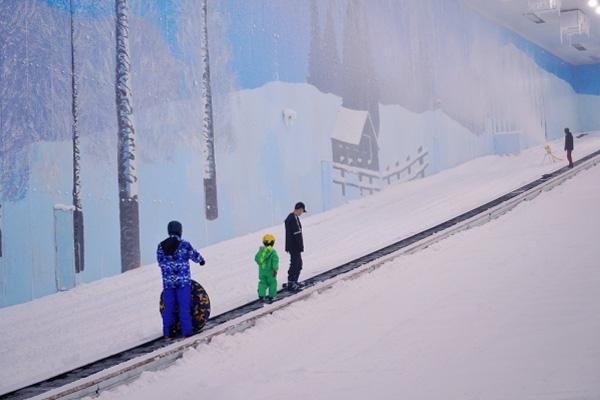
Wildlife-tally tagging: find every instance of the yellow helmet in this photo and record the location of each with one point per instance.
(268, 240)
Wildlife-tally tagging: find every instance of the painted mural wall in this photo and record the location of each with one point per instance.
(118, 116)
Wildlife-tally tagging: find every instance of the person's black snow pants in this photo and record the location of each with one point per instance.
(295, 267)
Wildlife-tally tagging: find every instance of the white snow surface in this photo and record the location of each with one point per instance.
(508, 310)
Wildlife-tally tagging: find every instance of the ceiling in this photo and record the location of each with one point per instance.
(511, 14)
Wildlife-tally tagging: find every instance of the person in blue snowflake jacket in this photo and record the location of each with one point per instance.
(173, 255)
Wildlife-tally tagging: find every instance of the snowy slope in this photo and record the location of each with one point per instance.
(509, 310)
(73, 328)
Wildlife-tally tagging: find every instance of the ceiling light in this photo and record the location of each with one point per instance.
(592, 3)
(598, 10)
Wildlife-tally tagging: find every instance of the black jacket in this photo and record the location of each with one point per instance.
(293, 234)
(568, 141)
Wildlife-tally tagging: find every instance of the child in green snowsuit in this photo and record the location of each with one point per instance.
(268, 264)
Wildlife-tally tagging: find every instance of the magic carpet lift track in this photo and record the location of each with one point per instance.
(127, 365)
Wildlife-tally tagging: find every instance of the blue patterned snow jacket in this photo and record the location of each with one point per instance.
(173, 259)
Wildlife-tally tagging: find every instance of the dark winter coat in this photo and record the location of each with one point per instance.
(568, 141)
(293, 234)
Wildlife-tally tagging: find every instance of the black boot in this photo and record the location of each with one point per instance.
(294, 287)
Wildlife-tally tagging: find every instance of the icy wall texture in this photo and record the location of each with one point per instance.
(320, 101)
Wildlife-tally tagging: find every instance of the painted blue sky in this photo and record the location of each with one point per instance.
(269, 40)
(163, 13)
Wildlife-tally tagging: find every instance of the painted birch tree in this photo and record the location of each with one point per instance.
(210, 173)
(127, 175)
(77, 200)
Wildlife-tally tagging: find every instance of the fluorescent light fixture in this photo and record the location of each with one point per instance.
(593, 3)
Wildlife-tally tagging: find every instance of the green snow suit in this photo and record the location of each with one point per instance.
(268, 264)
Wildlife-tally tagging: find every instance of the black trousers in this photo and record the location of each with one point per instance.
(570, 158)
(295, 267)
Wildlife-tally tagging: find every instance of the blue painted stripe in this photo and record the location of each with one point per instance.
(588, 79)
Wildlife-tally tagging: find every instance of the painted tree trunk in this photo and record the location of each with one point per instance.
(77, 201)
(128, 193)
(1, 254)
(314, 54)
(210, 174)
(3, 277)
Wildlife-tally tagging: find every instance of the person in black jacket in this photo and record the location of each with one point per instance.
(294, 245)
(569, 146)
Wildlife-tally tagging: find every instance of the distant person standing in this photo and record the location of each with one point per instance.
(173, 255)
(294, 244)
(569, 146)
